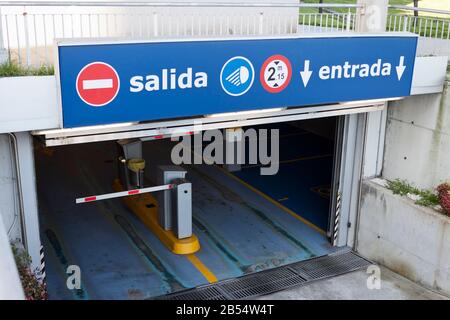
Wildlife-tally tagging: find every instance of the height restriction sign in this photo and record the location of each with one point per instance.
(275, 73)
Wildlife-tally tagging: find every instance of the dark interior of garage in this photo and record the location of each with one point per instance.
(245, 222)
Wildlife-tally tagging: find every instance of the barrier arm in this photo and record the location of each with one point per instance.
(123, 193)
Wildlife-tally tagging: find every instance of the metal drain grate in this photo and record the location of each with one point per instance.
(331, 265)
(201, 293)
(257, 284)
(273, 280)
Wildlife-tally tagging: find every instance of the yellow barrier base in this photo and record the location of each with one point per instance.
(145, 207)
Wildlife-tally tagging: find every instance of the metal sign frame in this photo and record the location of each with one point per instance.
(82, 42)
(163, 129)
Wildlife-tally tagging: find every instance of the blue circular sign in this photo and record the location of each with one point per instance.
(237, 76)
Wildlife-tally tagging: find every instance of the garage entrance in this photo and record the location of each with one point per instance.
(226, 221)
(245, 222)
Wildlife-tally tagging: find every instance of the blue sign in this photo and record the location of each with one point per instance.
(128, 82)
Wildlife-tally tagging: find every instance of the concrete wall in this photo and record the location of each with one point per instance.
(9, 204)
(27, 179)
(429, 74)
(417, 146)
(433, 46)
(411, 240)
(10, 288)
(10, 209)
(429, 77)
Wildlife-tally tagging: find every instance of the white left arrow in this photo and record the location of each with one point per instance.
(306, 73)
(401, 68)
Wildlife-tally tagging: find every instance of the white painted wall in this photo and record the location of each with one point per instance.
(28, 103)
(411, 240)
(417, 146)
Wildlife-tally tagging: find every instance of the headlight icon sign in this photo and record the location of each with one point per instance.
(237, 75)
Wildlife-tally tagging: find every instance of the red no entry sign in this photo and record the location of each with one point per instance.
(97, 84)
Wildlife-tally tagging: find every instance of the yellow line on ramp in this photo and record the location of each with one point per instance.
(202, 268)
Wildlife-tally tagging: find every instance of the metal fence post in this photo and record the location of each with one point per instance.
(3, 54)
(27, 39)
(349, 20)
(155, 24)
(261, 23)
(405, 23)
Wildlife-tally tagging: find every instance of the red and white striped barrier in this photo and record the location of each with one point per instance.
(123, 193)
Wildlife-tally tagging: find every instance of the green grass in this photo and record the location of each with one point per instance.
(427, 198)
(393, 2)
(12, 69)
(430, 4)
(439, 30)
(314, 10)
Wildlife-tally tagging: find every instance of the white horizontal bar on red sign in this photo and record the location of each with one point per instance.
(97, 84)
(123, 193)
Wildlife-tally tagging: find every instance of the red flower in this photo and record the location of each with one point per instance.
(444, 197)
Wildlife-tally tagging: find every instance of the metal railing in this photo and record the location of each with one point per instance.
(327, 22)
(30, 28)
(423, 24)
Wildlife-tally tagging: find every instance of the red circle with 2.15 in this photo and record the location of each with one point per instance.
(276, 73)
